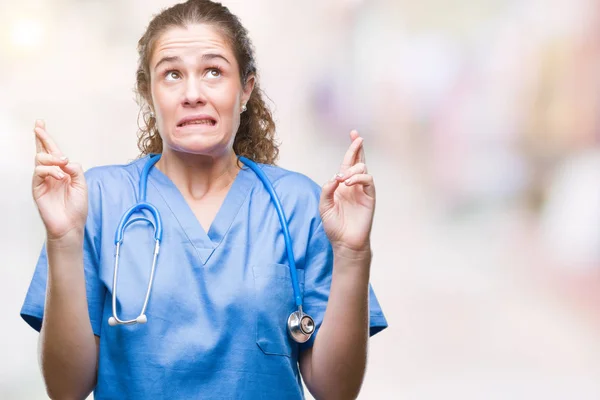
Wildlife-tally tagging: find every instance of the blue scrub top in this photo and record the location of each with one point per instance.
(220, 301)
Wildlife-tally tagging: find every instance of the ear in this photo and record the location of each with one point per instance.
(248, 88)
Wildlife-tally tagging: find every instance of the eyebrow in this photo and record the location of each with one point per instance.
(167, 59)
(205, 57)
(210, 56)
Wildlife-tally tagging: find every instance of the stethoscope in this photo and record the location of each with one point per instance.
(300, 326)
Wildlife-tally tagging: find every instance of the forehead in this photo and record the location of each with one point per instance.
(194, 39)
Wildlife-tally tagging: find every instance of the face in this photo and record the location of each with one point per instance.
(196, 90)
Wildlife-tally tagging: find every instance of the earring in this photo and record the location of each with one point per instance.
(151, 114)
(244, 107)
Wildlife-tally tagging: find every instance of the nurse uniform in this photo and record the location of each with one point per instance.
(217, 313)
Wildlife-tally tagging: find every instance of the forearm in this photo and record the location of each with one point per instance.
(340, 350)
(68, 349)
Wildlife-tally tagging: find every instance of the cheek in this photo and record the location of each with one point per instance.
(230, 115)
(165, 105)
(227, 105)
(226, 97)
(225, 102)
(162, 100)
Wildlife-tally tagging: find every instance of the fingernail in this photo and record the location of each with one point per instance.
(64, 158)
(348, 181)
(61, 175)
(339, 175)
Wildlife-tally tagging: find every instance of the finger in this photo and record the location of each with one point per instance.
(42, 172)
(47, 142)
(38, 143)
(365, 180)
(350, 156)
(76, 172)
(327, 193)
(359, 168)
(48, 159)
(360, 157)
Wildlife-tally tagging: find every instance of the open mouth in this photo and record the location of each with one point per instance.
(203, 121)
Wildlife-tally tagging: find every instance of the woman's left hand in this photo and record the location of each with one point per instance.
(348, 201)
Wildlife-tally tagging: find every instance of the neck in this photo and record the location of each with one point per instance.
(197, 176)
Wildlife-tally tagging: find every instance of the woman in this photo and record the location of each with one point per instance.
(217, 313)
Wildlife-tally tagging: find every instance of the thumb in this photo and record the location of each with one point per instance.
(75, 171)
(327, 192)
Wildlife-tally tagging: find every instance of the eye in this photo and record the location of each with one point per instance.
(213, 73)
(172, 75)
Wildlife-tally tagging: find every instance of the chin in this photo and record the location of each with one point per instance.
(207, 146)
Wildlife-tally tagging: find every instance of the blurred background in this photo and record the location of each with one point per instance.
(481, 121)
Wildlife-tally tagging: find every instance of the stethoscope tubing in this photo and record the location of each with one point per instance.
(300, 325)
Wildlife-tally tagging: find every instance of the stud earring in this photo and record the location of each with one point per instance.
(244, 107)
(151, 114)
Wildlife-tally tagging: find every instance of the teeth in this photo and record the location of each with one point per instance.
(198, 122)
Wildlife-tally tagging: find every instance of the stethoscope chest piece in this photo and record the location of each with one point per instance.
(300, 326)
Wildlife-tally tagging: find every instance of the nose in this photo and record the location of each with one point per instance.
(194, 93)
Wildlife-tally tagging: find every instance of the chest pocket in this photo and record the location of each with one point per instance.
(274, 302)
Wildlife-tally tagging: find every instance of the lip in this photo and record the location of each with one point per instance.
(196, 117)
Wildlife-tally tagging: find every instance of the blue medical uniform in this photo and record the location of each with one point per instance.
(218, 309)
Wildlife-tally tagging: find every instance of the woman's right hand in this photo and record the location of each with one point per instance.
(59, 189)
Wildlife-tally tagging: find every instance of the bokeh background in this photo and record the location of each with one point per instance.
(482, 127)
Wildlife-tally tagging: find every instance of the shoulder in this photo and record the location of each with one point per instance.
(109, 185)
(111, 175)
(300, 197)
(291, 184)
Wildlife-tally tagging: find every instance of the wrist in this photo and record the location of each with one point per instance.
(353, 264)
(72, 239)
(361, 253)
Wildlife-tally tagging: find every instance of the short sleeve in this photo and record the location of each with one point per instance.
(32, 310)
(317, 283)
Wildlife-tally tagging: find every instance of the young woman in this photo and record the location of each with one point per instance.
(236, 308)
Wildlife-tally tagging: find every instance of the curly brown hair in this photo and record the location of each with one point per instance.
(255, 138)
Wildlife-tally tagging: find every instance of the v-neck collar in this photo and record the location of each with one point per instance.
(204, 243)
